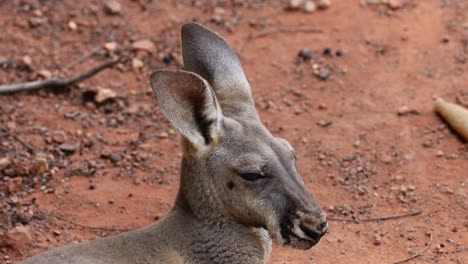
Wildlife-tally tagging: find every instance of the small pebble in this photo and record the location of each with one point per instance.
(59, 136)
(327, 51)
(113, 7)
(295, 4)
(324, 74)
(305, 54)
(92, 185)
(377, 240)
(4, 163)
(395, 4)
(403, 110)
(310, 6)
(110, 46)
(428, 143)
(68, 147)
(72, 25)
(115, 157)
(323, 4)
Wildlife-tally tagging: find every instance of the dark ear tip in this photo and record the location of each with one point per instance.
(192, 29)
(191, 26)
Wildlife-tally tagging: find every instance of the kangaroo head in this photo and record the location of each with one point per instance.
(232, 167)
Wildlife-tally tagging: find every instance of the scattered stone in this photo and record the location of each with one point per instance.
(116, 157)
(403, 110)
(68, 147)
(322, 106)
(88, 143)
(37, 13)
(17, 238)
(26, 60)
(163, 135)
(4, 163)
(105, 153)
(137, 64)
(323, 4)
(14, 184)
(305, 54)
(168, 58)
(324, 74)
(24, 215)
(46, 74)
(377, 240)
(327, 51)
(92, 185)
(428, 143)
(295, 4)
(324, 123)
(339, 53)
(145, 45)
(72, 25)
(59, 136)
(39, 166)
(445, 39)
(104, 95)
(110, 46)
(37, 21)
(357, 143)
(310, 7)
(396, 4)
(113, 7)
(56, 233)
(439, 153)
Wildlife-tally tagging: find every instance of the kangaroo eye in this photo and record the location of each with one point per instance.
(251, 176)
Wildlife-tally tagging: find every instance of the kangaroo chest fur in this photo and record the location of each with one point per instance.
(212, 240)
(223, 243)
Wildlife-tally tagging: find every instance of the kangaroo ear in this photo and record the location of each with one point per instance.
(189, 103)
(209, 55)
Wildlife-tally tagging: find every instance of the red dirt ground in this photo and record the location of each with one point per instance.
(358, 157)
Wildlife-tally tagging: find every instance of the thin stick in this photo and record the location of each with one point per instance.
(262, 34)
(54, 83)
(26, 145)
(91, 53)
(21, 141)
(383, 218)
(417, 254)
(90, 227)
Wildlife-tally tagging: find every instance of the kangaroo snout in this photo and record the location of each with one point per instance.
(303, 229)
(314, 228)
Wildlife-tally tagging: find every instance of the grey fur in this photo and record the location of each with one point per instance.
(238, 186)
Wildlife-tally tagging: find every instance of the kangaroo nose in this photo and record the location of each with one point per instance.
(315, 232)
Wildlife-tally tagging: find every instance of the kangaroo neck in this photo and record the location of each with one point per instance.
(215, 238)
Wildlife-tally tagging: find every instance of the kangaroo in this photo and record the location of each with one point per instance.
(239, 187)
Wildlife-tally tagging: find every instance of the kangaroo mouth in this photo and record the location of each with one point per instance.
(292, 239)
(298, 241)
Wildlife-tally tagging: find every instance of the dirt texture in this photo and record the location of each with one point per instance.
(351, 86)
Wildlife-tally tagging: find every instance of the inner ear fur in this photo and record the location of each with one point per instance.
(189, 103)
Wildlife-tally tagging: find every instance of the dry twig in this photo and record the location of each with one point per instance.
(383, 218)
(28, 147)
(80, 60)
(262, 34)
(417, 254)
(54, 83)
